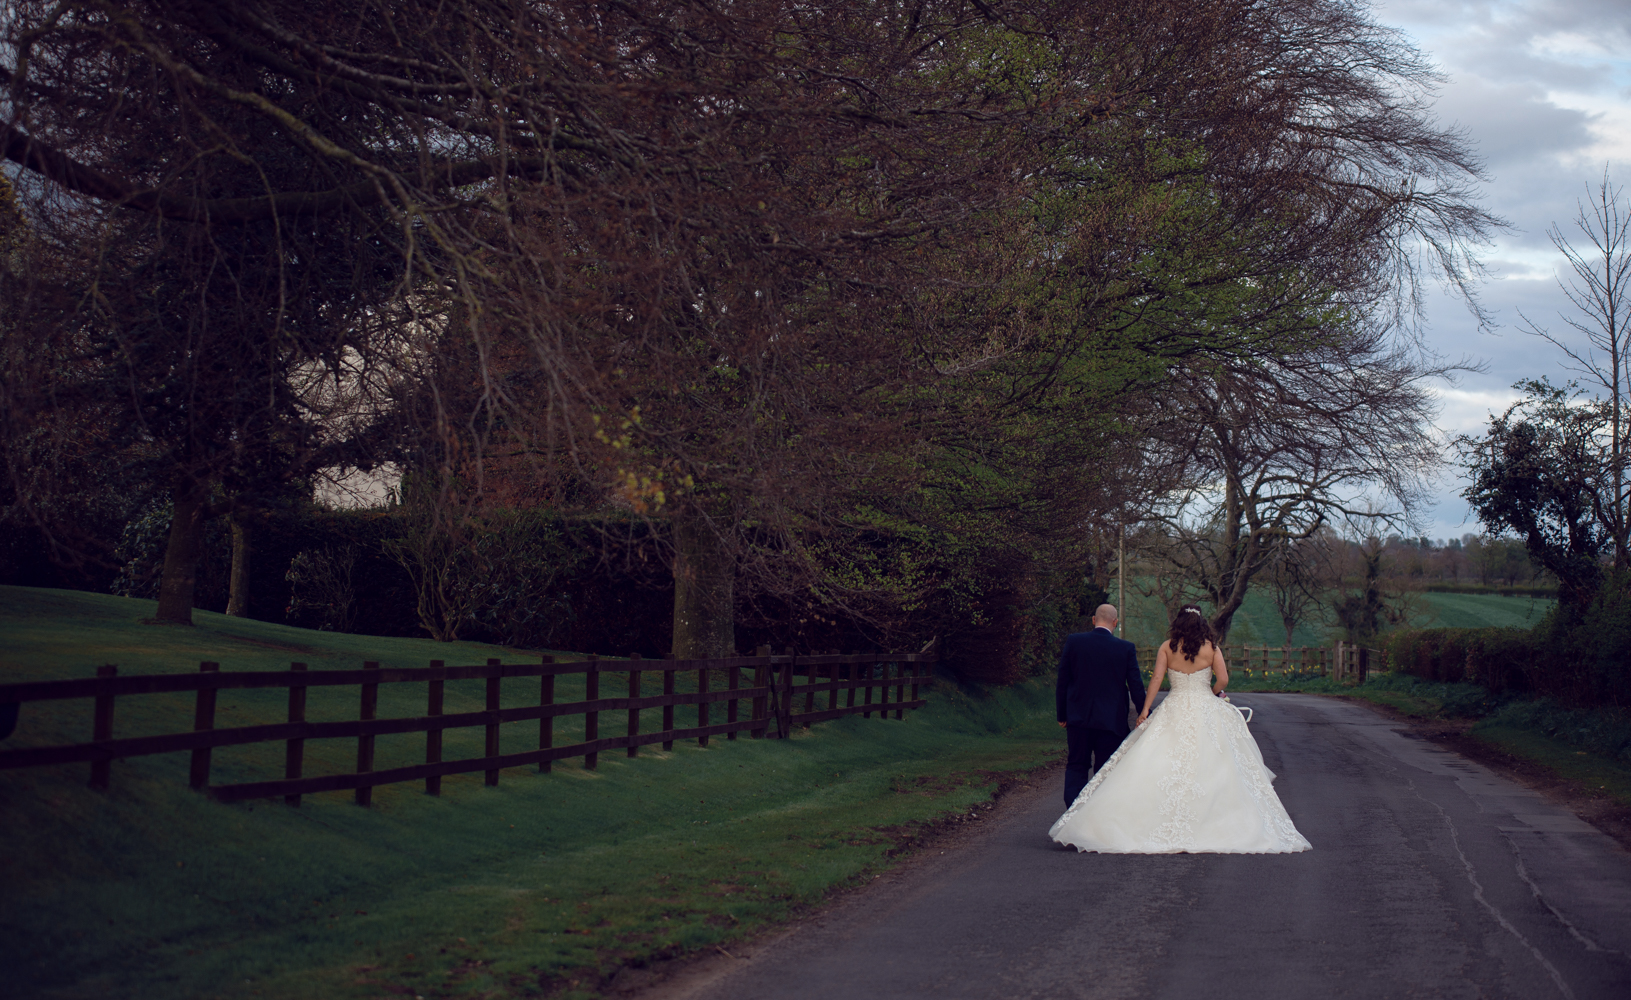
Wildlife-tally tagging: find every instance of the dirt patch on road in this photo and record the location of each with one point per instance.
(1590, 804)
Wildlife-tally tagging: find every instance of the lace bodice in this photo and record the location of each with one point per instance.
(1200, 680)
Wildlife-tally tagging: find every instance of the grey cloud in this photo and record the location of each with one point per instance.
(1536, 153)
(1512, 123)
(1495, 39)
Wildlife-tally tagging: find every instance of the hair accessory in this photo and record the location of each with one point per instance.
(1190, 609)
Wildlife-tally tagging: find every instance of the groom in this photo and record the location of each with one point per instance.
(1098, 673)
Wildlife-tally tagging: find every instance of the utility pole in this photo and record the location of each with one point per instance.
(1121, 580)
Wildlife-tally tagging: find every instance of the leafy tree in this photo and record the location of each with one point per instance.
(750, 271)
(1545, 470)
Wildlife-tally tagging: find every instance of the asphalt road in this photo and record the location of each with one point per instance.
(1430, 877)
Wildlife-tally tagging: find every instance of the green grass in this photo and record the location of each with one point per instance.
(1582, 767)
(1481, 610)
(149, 890)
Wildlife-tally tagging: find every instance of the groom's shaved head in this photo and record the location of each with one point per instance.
(1106, 614)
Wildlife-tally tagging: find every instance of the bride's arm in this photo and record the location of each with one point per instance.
(1220, 671)
(1155, 682)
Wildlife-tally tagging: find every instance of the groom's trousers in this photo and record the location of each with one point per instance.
(1087, 748)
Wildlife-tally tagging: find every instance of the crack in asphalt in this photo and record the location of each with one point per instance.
(1471, 872)
(1494, 911)
(1575, 932)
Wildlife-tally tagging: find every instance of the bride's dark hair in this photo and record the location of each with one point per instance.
(1190, 631)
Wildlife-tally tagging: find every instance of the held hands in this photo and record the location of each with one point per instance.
(1142, 717)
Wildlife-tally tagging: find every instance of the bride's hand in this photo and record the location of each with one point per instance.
(1142, 717)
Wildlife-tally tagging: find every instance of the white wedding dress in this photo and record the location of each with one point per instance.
(1191, 779)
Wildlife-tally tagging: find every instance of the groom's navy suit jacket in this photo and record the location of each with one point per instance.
(1097, 674)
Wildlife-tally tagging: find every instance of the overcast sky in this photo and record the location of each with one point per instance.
(1543, 87)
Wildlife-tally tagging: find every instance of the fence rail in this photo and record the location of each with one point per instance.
(766, 682)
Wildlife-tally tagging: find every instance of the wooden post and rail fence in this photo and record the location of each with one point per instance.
(764, 685)
(1343, 662)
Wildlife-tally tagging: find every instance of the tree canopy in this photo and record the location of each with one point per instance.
(774, 273)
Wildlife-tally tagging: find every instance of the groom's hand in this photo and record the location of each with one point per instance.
(1061, 725)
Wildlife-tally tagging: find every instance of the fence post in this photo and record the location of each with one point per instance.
(733, 681)
(434, 697)
(702, 706)
(809, 691)
(1364, 663)
(883, 691)
(900, 690)
(198, 775)
(494, 703)
(832, 686)
(546, 723)
(868, 698)
(294, 750)
(761, 680)
(668, 710)
(849, 685)
(916, 668)
(784, 698)
(365, 743)
(634, 713)
(591, 720)
(102, 729)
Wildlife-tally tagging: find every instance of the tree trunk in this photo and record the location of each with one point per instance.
(704, 590)
(181, 555)
(238, 598)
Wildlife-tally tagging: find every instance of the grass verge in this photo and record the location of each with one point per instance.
(545, 885)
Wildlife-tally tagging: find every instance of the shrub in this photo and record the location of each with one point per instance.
(1604, 731)
(1500, 659)
(1591, 647)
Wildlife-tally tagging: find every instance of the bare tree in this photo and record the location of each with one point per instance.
(1368, 598)
(1600, 291)
(1298, 577)
(1274, 452)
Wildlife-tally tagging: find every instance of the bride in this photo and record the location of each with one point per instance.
(1190, 776)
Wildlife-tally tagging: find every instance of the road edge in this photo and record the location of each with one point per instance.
(1601, 811)
(916, 849)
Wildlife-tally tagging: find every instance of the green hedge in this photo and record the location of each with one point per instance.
(1500, 659)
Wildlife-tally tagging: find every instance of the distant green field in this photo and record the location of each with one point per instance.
(1479, 610)
(1258, 624)
(547, 882)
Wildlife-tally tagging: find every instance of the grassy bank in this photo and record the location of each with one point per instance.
(547, 883)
